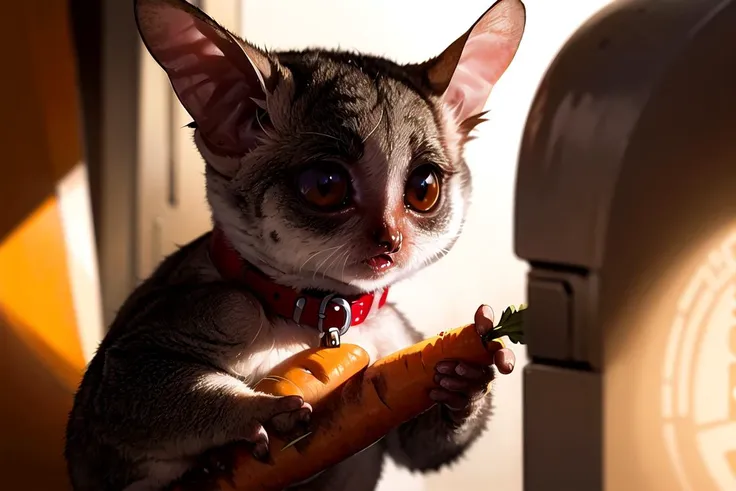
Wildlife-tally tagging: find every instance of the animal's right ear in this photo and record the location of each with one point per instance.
(464, 74)
(220, 81)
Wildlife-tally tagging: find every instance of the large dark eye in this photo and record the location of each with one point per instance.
(422, 189)
(325, 186)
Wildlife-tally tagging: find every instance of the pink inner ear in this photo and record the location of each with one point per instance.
(211, 75)
(484, 59)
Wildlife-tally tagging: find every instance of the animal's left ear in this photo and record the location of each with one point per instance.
(464, 74)
(218, 79)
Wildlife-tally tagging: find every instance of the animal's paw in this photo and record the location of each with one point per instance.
(287, 422)
(461, 385)
(282, 415)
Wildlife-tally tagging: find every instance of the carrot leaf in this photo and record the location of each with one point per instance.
(511, 324)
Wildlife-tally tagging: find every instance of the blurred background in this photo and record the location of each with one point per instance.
(101, 182)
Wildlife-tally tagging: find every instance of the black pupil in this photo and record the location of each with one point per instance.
(422, 181)
(325, 182)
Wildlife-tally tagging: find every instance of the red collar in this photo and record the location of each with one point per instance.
(327, 313)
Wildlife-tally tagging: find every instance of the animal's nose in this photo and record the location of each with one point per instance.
(389, 239)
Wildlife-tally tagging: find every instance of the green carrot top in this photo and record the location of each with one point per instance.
(511, 324)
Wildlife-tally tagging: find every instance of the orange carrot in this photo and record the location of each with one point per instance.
(314, 373)
(354, 410)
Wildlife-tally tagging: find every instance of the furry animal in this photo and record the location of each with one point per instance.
(327, 172)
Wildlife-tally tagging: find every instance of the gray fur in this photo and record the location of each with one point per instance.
(365, 112)
(171, 380)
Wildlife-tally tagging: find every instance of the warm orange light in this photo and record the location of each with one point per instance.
(35, 293)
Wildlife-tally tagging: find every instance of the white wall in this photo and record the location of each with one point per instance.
(75, 209)
(482, 268)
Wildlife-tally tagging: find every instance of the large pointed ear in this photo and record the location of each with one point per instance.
(464, 74)
(220, 81)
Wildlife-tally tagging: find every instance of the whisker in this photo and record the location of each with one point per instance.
(258, 332)
(434, 254)
(344, 264)
(380, 118)
(334, 261)
(308, 259)
(320, 134)
(316, 271)
(328, 257)
(313, 255)
(260, 103)
(258, 120)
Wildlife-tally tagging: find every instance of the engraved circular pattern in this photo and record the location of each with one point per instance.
(699, 376)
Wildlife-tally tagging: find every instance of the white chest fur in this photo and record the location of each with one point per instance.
(381, 334)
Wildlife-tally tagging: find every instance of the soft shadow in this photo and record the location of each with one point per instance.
(33, 414)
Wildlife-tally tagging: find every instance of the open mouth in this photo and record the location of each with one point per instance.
(380, 263)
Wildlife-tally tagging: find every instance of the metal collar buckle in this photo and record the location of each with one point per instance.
(331, 338)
